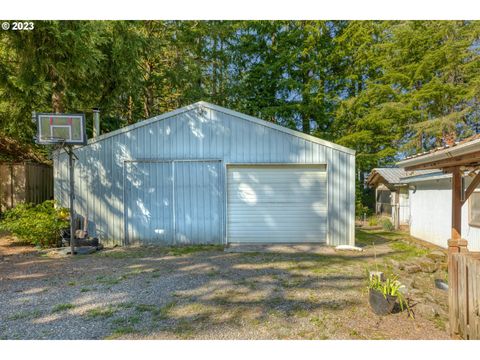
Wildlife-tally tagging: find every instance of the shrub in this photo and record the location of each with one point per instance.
(37, 224)
(372, 221)
(387, 225)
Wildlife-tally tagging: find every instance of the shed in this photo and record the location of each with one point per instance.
(391, 193)
(207, 174)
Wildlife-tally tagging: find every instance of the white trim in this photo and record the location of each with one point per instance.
(225, 111)
(300, 165)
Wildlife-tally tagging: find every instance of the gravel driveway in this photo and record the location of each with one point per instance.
(207, 293)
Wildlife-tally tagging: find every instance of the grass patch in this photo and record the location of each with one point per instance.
(145, 308)
(120, 331)
(184, 329)
(140, 252)
(366, 238)
(84, 290)
(126, 305)
(101, 312)
(439, 323)
(33, 314)
(62, 307)
(164, 311)
(127, 321)
(190, 249)
(405, 250)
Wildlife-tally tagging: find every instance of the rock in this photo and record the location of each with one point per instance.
(85, 250)
(412, 268)
(440, 284)
(425, 310)
(437, 256)
(428, 265)
(396, 264)
(410, 284)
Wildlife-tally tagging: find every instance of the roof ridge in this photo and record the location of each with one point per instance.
(227, 111)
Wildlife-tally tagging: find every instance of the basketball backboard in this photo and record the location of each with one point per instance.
(66, 129)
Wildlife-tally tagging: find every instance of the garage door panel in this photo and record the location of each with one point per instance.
(277, 204)
(148, 203)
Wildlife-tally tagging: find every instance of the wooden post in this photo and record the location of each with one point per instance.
(456, 244)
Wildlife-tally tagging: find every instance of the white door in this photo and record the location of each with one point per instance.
(277, 203)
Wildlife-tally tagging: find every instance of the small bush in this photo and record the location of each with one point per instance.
(387, 225)
(37, 224)
(372, 221)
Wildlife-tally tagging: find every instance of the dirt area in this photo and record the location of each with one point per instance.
(9, 245)
(207, 293)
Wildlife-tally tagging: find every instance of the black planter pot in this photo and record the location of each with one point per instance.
(381, 305)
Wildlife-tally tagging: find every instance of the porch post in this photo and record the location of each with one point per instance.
(456, 243)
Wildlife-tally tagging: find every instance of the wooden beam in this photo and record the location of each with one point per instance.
(473, 185)
(456, 205)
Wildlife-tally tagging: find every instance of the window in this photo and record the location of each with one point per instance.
(474, 209)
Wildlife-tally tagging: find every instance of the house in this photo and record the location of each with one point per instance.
(207, 174)
(391, 196)
(391, 193)
(430, 195)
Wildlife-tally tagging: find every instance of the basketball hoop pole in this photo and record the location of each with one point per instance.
(72, 196)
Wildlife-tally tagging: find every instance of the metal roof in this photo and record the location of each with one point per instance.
(459, 148)
(395, 176)
(203, 104)
(425, 175)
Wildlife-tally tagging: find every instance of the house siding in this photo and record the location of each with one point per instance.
(430, 220)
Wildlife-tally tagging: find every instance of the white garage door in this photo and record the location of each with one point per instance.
(277, 204)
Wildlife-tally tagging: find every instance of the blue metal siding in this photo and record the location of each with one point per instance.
(200, 133)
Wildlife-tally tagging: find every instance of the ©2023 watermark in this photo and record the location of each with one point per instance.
(18, 25)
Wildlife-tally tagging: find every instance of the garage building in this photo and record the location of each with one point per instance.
(205, 174)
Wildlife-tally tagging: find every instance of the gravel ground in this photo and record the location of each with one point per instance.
(207, 293)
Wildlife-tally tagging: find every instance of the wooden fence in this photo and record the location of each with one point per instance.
(24, 182)
(464, 295)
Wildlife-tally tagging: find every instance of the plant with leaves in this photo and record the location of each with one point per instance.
(40, 224)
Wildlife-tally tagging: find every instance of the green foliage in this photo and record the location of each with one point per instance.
(387, 224)
(383, 88)
(373, 220)
(38, 224)
(390, 286)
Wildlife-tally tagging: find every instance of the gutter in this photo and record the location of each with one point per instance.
(441, 154)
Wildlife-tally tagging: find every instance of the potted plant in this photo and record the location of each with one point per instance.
(383, 294)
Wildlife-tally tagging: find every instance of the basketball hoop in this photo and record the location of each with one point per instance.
(69, 128)
(65, 131)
